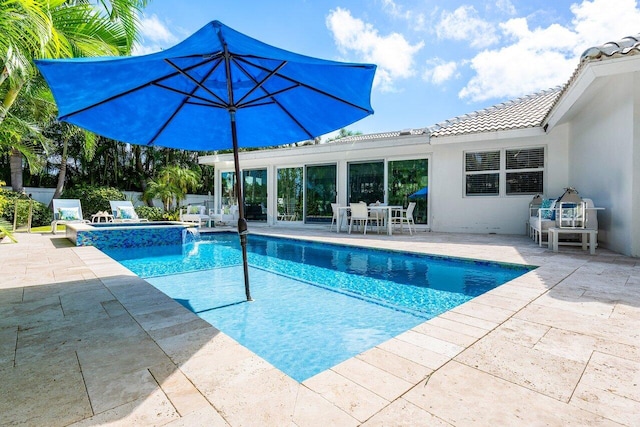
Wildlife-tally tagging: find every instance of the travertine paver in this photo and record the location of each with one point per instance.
(464, 396)
(83, 340)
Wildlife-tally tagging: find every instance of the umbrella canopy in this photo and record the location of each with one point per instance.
(420, 193)
(181, 97)
(217, 89)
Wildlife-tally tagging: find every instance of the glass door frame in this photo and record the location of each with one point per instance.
(335, 165)
(428, 158)
(299, 219)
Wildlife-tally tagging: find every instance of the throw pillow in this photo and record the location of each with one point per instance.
(194, 210)
(68, 214)
(125, 213)
(548, 211)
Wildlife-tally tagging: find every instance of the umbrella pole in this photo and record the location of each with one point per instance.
(242, 222)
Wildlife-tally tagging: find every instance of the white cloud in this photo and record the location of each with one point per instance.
(506, 7)
(155, 36)
(416, 20)
(440, 71)
(599, 21)
(392, 53)
(465, 24)
(545, 57)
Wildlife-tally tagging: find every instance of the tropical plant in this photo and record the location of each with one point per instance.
(343, 133)
(94, 199)
(6, 231)
(56, 29)
(172, 182)
(152, 213)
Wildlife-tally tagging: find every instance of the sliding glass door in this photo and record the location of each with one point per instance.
(366, 182)
(290, 193)
(320, 192)
(409, 182)
(255, 194)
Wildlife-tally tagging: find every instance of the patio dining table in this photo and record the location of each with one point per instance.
(389, 209)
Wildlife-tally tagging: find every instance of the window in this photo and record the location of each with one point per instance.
(522, 171)
(482, 173)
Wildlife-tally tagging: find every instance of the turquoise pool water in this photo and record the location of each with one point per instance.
(316, 305)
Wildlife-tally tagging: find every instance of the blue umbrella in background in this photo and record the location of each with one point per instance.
(217, 89)
(421, 193)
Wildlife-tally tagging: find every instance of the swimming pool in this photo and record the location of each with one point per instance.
(315, 304)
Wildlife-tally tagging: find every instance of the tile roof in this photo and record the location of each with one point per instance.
(629, 45)
(521, 113)
(381, 135)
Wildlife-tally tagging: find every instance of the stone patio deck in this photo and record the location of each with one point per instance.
(83, 341)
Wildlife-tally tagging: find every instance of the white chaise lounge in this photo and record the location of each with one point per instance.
(123, 211)
(66, 211)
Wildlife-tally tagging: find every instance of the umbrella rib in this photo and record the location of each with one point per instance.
(196, 82)
(322, 92)
(205, 101)
(274, 100)
(127, 92)
(258, 84)
(182, 104)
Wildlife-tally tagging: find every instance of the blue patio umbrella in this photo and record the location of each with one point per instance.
(217, 89)
(420, 193)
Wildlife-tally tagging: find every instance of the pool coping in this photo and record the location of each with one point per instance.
(406, 378)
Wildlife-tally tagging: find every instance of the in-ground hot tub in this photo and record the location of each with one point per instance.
(127, 234)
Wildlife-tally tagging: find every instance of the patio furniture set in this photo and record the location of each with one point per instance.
(569, 216)
(361, 215)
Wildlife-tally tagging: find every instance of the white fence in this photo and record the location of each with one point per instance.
(44, 195)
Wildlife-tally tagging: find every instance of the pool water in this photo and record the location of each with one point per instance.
(315, 305)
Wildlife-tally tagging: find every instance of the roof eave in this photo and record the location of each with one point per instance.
(582, 79)
(484, 136)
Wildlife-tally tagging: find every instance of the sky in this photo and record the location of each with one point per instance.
(436, 59)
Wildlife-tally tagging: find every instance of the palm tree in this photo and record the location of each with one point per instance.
(173, 182)
(57, 29)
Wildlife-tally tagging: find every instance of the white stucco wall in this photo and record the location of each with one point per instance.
(602, 153)
(452, 211)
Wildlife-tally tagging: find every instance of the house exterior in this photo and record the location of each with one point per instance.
(482, 169)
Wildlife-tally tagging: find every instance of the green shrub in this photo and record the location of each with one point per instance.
(40, 215)
(172, 215)
(93, 198)
(152, 213)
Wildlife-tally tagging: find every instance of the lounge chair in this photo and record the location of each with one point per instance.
(123, 211)
(196, 214)
(66, 211)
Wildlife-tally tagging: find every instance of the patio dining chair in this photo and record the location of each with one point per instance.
(377, 215)
(335, 219)
(405, 216)
(359, 214)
